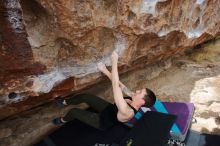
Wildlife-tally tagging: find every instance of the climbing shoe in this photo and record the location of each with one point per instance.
(57, 121)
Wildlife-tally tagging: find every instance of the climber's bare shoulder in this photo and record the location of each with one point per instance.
(125, 116)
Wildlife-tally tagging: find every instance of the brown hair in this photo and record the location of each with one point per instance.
(149, 98)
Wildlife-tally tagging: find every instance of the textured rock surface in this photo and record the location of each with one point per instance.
(52, 48)
(180, 79)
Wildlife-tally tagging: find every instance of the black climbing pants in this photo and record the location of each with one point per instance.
(88, 117)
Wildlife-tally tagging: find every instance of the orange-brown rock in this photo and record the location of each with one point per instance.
(50, 47)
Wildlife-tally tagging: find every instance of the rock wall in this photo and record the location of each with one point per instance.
(188, 78)
(50, 48)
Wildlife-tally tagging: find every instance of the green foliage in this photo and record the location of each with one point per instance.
(209, 51)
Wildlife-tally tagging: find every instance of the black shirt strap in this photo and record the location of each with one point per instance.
(128, 97)
(135, 111)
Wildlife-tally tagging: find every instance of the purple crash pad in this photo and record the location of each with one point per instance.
(184, 112)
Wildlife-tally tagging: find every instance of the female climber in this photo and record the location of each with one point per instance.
(106, 114)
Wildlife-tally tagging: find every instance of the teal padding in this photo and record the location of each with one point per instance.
(138, 115)
(160, 108)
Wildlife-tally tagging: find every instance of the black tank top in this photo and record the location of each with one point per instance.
(108, 117)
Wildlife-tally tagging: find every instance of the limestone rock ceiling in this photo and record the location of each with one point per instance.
(50, 47)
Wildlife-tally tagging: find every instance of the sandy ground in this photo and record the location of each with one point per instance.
(196, 83)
